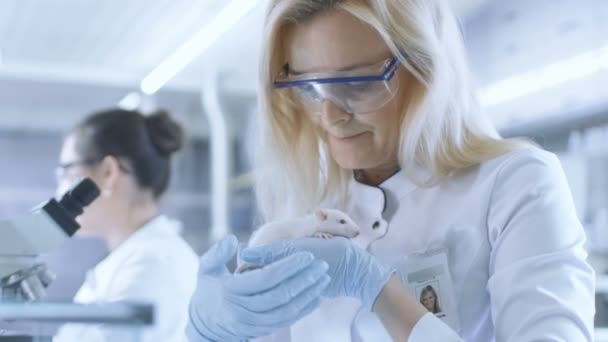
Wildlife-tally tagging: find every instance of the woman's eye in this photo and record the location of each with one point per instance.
(359, 86)
(308, 92)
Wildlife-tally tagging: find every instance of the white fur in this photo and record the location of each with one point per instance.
(328, 221)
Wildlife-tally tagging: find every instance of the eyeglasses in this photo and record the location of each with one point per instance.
(360, 91)
(62, 169)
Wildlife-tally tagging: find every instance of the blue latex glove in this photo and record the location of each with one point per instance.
(234, 307)
(353, 271)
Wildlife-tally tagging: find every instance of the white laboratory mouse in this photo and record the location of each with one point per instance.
(323, 223)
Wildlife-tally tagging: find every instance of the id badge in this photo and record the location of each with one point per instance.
(427, 277)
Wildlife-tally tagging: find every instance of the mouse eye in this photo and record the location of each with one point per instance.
(342, 221)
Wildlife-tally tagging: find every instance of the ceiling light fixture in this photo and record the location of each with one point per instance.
(196, 45)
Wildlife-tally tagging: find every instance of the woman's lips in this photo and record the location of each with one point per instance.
(349, 138)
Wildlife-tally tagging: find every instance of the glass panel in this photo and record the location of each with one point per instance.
(68, 322)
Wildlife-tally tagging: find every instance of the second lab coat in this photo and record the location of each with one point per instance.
(154, 265)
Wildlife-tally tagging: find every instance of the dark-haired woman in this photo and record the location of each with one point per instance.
(128, 156)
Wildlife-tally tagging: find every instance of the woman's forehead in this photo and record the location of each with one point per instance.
(68, 149)
(333, 41)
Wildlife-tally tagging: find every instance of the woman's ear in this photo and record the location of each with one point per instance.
(109, 171)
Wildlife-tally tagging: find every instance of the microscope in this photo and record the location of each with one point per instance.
(23, 239)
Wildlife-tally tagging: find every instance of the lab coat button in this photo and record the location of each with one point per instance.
(376, 225)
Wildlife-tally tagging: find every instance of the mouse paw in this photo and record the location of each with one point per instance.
(323, 235)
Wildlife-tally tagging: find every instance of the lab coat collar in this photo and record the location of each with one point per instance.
(398, 185)
(160, 225)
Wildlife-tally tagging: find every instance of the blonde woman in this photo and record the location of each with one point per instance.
(367, 107)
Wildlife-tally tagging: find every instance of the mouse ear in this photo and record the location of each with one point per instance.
(321, 215)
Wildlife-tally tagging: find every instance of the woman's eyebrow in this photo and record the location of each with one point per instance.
(346, 68)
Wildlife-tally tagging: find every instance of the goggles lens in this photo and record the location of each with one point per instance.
(349, 91)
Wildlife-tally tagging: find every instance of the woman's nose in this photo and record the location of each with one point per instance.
(332, 114)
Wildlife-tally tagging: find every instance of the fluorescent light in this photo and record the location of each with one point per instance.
(554, 74)
(130, 102)
(202, 40)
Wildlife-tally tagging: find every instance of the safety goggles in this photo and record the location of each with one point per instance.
(359, 91)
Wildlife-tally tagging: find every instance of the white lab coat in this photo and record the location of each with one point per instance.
(514, 252)
(154, 265)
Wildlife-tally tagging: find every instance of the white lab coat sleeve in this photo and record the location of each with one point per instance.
(431, 328)
(151, 279)
(541, 287)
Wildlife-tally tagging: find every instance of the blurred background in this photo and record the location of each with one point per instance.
(541, 67)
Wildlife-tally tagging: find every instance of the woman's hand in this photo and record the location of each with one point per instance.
(353, 271)
(234, 307)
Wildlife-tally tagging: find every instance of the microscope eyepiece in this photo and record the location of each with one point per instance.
(79, 197)
(70, 206)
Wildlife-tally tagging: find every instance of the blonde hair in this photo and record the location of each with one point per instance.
(443, 129)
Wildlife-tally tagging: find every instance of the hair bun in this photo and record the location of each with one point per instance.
(165, 133)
